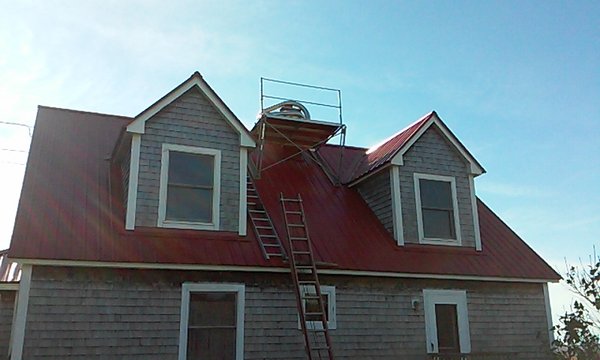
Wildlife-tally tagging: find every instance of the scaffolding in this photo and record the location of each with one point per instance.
(288, 123)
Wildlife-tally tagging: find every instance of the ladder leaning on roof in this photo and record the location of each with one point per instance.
(266, 234)
(306, 281)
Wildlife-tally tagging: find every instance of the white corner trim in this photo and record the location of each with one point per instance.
(243, 216)
(431, 297)
(134, 170)
(435, 241)
(475, 213)
(328, 290)
(474, 167)
(396, 205)
(164, 178)
(18, 333)
(138, 125)
(187, 288)
(548, 313)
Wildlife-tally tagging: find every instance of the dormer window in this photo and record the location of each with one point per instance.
(189, 187)
(437, 209)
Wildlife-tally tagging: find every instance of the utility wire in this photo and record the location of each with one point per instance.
(29, 128)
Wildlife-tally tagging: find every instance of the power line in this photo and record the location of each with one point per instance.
(29, 128)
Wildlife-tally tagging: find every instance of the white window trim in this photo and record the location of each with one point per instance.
(164, 177)
(437, 241)
(332, 321)
(188, 288)
(431, 297)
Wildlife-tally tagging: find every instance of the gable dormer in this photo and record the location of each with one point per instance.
(420, 184)
(188, 163)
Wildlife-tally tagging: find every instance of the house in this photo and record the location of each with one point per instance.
(138, 239)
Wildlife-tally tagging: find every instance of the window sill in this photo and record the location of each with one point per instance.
(187, 225)
(438, 241)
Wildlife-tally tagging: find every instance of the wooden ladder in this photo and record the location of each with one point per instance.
(306, 281)
(266, 234)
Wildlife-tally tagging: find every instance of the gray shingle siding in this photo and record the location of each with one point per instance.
(134, 314)
(191, 120)
(432, 154)
(7, 305)
(377, 193)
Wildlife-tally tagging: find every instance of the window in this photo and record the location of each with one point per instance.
(313, 322)
(437, 209)
(446, 321)
(212, 322)
(189, 187)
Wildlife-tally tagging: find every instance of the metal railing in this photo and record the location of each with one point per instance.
(9, 271)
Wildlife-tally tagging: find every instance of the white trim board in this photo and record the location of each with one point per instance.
(138, 125)
(548, 312)
(396, 205)
(134, 170)
(417, 188)
(243, 216)
(164, 179)
(13, 286)
(431, 297)
(18, 329)
(238, 289)
(259, 269)
(475, 213)
(475, 167)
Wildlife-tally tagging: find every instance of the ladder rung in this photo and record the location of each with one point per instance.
(271, 245)
(257, 211)
(298, 239)
(295, 225)
(252, 196)
(260, 219)
(310, 297)
(320, 347)
(307, 282)
(267, 236)
(294, 212)
(301, 252)
(264, 227)
(302, 267)
(313, 313)
(290, 200)
(250, 203)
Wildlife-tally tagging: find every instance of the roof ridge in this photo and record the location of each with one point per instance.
(84, 112)
(385, 141)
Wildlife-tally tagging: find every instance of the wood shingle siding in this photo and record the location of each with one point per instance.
(377, 193)
(433, 155)
(190, 120)
(7, 305)
(134, 314)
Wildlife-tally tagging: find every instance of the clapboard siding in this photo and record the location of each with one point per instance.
(432, 154)
(377, 193)
(135, 314)
(190, 120)
(7, 305)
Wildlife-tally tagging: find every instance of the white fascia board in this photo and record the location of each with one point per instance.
(243, 216)
(396, 205)
(475, 213)
(134, 169)
(474, 167)
(261, 269)
(138, 125)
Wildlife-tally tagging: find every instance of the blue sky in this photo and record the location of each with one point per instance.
(517, 81)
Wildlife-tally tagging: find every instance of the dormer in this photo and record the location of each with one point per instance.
(187, 163)
(420, 184)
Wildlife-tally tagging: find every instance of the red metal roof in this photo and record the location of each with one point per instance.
(71, 209)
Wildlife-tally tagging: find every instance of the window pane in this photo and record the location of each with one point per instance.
(212, 309)
(188, 204)
(438, 224)
(447, 328)
(312, 305)
(211, 344)
(190, 169)
(435, 194)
